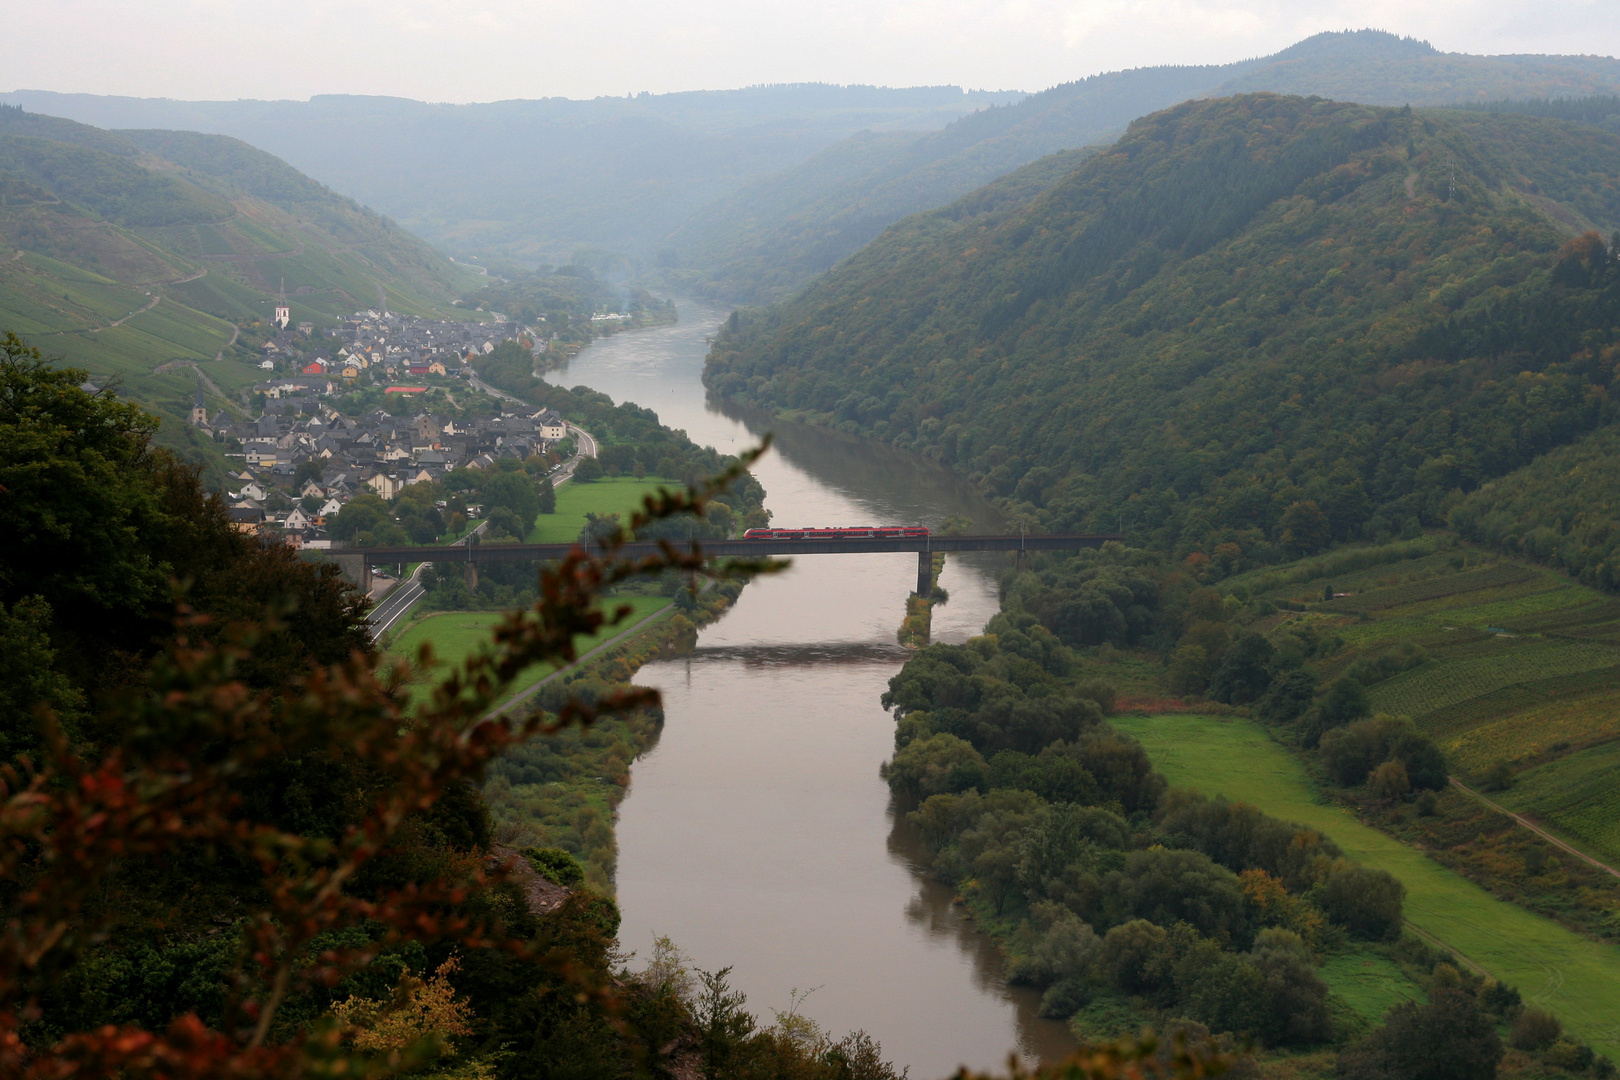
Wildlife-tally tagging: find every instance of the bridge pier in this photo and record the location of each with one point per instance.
(356, 569)
(925, 574)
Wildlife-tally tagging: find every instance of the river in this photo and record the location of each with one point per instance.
(757, 833)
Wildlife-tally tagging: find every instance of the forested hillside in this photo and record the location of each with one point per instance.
(1262, 321)
(778, 232)
(139, 254)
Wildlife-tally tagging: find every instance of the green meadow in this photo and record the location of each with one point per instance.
(456, 635)
(1554, 968)
(619, 495)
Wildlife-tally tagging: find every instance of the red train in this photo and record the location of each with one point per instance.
(858, 532)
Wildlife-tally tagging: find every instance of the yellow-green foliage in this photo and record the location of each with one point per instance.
(1548, 728)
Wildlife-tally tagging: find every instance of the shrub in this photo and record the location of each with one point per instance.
(934, 765)
(1499, 777)
(1288, 697)
(1389, 782)
(1449, 1038)
(1365, 901)
(1168, 886)
(1296, 999)
(1566, 1053)
(1062, 1000)
(1135, 956)
(1346, 700)
(556, 865)
(1064, 952)
(1535, 1030)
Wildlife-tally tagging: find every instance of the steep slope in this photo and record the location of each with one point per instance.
(778, 232)
(140, 255)
(1263, 321)
(536, 179)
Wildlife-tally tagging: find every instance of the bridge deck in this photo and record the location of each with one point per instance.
(477, 553)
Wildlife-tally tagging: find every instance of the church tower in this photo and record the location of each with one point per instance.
(283, 313)
(199, 411)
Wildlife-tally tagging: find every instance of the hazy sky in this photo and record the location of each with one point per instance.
(483, 50)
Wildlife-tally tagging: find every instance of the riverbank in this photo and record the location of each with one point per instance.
(564, 791)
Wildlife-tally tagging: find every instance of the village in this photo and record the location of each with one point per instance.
(303, 458)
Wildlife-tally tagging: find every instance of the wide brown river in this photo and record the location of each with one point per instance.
(757, 834)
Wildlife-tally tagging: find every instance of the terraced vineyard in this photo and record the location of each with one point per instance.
(1523, 667)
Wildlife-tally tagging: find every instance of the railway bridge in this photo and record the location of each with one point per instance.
(925, 548)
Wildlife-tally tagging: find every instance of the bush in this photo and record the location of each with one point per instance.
(1447, 1039)
(1499, 777)
(1136, 956)
(556, 865)
(1064, 999)
(1389, 782)
(1346, 700)
(1365, 901)
(935, 765)
(1566, 1053)
(1289, 697)
(1535, 1030)
(1350, 753)
(1065, 951)
(1296, 999)
(1168, 886)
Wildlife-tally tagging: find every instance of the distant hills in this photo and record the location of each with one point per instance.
(773, 235)
(1271, 322)
(535, 180)
(744, 195)
(139, 254)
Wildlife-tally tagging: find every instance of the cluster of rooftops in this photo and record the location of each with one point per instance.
(376, 451)
(380, 345)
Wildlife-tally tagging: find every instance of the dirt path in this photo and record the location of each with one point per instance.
(154, 303)
(236, 332)
(1533, 827)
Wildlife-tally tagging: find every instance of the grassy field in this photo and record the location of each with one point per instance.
(455, 635)
(1553, 967)
(1369, 982)
(618, 495)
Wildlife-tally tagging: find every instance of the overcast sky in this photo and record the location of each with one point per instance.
(484, 50)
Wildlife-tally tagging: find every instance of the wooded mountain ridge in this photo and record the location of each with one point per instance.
(1261, 321)
(777, 233)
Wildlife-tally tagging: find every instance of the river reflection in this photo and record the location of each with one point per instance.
(757, 832)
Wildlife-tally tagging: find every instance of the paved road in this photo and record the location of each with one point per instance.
(406, 593)
(401, 598)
